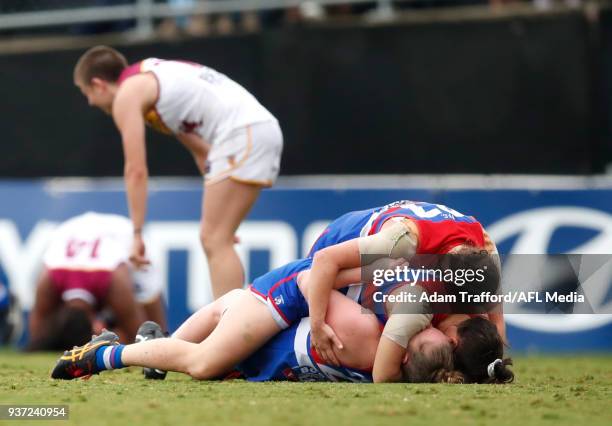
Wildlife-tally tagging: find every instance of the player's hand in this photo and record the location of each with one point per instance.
(323, 339)
(137, 256)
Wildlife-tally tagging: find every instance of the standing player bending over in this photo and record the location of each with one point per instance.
(86, 270)
(215, 118)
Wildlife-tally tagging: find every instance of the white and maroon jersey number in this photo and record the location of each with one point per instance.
(83, 248)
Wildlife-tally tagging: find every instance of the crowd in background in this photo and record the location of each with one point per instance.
(201, 25)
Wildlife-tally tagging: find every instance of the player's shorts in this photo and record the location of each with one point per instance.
(147, 283)
(250, 154)
(289, 356)
(279, 290)
(90, 286)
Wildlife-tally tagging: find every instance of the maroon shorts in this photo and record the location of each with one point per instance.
(92, 286)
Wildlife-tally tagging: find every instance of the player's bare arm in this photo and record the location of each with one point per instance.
(403, 324)
(326, 265)
(388, 361)
(198, 148)
(133, 98)
(397, 240)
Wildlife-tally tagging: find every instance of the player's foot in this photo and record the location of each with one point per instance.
(150, 330)
(81, 360)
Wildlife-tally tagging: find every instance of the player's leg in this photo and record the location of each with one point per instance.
(199, 325)
(246, 326)
(240, 166)
(121, 300)
(226, 203)
(46, 301)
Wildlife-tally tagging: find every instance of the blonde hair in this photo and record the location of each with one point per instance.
(434, 367)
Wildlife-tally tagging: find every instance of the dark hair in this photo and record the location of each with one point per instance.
(484, 266)
(66, 328)
(475, 259)
(102, 62)
(435, 366)
(480, 345)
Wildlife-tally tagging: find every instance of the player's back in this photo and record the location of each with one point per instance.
(91, 241)
(194, 98)
(289, 356)
(344, 228)
(440, 227)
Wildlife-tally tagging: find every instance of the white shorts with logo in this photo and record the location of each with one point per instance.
(250, 154)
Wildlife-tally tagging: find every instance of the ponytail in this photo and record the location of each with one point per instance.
(479, 353)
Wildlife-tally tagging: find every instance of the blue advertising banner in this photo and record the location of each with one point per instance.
(284, 223)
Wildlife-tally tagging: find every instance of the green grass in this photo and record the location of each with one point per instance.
(548, 391)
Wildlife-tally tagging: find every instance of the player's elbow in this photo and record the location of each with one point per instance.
(323, 259)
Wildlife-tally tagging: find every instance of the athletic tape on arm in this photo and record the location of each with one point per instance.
(401, 325)
(394, 241)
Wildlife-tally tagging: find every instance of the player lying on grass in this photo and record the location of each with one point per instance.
(235, 142)
(289, 356)
(246, 326)
(85, 271)
(407, 229)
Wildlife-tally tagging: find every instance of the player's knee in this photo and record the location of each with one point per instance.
(201, 370)
(214, 241)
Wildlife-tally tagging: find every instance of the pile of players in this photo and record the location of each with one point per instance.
(312, 319)
(315, 319)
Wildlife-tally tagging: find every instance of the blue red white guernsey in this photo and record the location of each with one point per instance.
(279, 290)
(289, 356)
(440, 227)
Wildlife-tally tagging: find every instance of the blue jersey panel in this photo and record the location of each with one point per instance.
(345, 228)
(276, 360)
(280, 289)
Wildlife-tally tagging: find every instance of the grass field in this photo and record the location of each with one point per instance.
(548, 391)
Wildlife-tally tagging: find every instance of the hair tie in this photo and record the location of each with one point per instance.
(491, 367)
